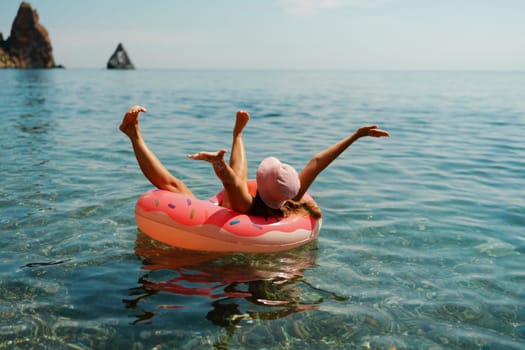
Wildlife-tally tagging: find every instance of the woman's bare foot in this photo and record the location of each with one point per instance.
(240, 121)
(211, 157)
(130, 121)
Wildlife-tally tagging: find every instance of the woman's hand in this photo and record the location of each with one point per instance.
(371, 130)
(211, 157)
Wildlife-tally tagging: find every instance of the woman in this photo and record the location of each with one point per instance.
(279, 187)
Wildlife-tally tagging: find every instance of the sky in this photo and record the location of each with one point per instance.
(285, 34)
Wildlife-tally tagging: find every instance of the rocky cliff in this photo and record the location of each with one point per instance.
(120, 59)
(28, 45)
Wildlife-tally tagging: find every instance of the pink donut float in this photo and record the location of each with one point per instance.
(204, 225)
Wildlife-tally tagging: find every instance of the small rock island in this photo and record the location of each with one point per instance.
(28, 45)
(120, 59)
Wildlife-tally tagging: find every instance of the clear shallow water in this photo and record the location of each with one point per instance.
(423, 239)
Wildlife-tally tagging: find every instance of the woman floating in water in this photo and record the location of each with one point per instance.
(279, 188)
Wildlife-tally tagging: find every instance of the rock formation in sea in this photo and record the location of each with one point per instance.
(28, 45)
(120, 59)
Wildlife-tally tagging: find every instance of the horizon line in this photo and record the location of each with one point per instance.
(473, 70)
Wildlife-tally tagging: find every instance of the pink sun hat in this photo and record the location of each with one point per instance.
(276, 182)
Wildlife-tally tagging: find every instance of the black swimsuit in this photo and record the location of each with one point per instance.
(259, 208)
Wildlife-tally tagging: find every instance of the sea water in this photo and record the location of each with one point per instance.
(423, 237)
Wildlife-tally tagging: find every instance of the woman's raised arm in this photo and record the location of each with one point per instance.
(322, 159)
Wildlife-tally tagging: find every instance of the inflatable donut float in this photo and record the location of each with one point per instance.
(204, 225)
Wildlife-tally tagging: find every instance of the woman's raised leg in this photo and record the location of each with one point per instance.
(238, 160)
(150, 165)
(239, 197)
(235, 175)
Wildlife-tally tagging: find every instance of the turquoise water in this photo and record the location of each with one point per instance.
(422, 245)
